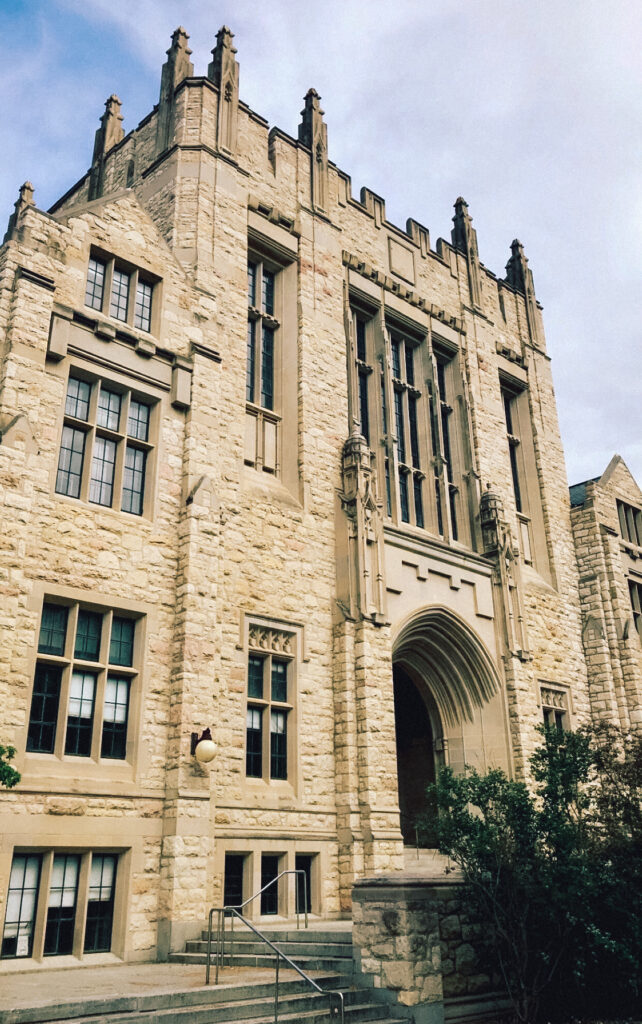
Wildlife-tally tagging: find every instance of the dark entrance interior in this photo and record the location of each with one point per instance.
(303, 862)
(269, 871)
(233, 883)
(415, 758)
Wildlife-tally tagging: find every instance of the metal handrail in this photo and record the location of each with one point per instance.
(337, 1010)
(220, 935)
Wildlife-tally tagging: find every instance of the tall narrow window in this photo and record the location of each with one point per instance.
(444, 374)
(635, 593)
(364, 370)
(270, 704)
(95, 284)
(100, 903)
(630, 519)
(61, 915)
(17, 938)
(262, 364)
(407, 398)
(119, 295)
(512, 400)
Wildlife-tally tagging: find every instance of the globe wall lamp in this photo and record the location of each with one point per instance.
(203, 747)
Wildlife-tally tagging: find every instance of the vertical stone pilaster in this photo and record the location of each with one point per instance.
(520, 277)
(108, 135)
(464, 237)
(313, 133)
(177, 67)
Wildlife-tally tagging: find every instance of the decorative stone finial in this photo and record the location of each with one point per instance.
(25, 199)
(464, 238)
(224, 73)
(313, 133)
(520, 277)
(176, 68)
(108, 135)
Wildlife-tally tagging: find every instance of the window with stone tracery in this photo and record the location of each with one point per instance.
(270, 703)
(554, 701)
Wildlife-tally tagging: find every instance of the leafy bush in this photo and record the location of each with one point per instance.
(556, 873)
(9, 777)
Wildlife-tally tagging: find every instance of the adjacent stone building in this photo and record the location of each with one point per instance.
(273, 466)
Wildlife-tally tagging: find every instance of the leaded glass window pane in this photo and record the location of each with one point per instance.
(17, 938)
(267, 369)
(138, 420)
(88, 635)
(70, 461)
(119, 294)
(278, 745)
(143, 307)
(255, 676)
(53, 629)
(251, 361)
(251, 284)
(115, 712)
(103, 464)
(81, 713)
(133, 480)
(108, 414)
(77, 402)
(403, 497)
(279, 680)
(121, 646)
(59, 932)
(100, 905)
(268, 292)
(95, 284)
(254, 740)
(43, 716)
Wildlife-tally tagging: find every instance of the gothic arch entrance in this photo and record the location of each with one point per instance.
(442, 676)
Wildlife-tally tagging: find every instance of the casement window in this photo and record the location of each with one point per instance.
(105, 448)
(121, 291)
(406, 397)
(85, 671)
(79, 887)
(515, 405)
(635, 593)
(270, 702)
(554, 702)
(630, 519)
(262, 374)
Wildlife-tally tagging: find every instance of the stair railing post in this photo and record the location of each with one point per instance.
(276, 992)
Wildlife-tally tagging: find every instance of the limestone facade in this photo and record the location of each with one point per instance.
(273, 466)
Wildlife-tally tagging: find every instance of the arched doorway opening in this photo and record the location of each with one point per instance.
(443, 676)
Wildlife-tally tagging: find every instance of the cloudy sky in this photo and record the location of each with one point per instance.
(530, 109)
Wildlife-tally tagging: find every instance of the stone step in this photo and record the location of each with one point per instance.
(248, 1004)
(343, 937)
(251, 945)
(339, 964)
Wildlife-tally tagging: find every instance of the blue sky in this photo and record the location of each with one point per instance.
(530, 110)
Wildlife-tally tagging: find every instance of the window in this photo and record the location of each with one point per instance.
(630, 523)
(269, 871)
(364, 369)
(513, 402)
(17, 938)
(554, 707)
(262, 365)
(105, 449)
(122, 291)
(635, 593)
(269, 704)
(82, 682)
(77, 881)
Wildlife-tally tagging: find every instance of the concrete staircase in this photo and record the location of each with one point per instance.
(325, 953)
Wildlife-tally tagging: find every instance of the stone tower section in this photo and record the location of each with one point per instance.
(108, 135)
(313, 133)
(176, 68)
(223, 71)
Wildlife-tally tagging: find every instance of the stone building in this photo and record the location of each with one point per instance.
(273, 466)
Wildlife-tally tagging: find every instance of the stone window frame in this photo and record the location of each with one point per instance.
(266, 636)
(141, 316)
(630, 522)
(286, 848)
(271, 435)
(263, 421)
(85, 854)
(555, 704)
(129, 390)
(635, 597)
(102, 669)
(522, 458)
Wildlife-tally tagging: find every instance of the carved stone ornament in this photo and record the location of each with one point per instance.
(277, 640)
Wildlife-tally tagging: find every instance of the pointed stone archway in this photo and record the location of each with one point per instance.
(443, 678)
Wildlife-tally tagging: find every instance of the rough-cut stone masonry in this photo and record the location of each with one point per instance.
(267, 510)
